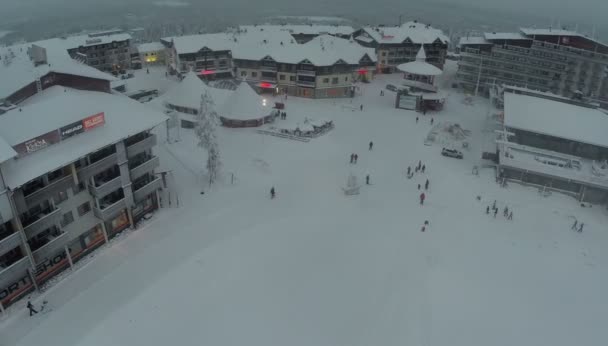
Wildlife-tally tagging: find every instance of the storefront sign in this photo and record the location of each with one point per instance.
(35, 144)
(94, 121)
(65, 132)
(14, 287)
(71, 130)
(50, 263)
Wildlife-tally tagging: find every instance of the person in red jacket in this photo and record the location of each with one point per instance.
(422, 197)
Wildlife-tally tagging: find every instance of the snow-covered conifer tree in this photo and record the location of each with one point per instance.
(207, 120)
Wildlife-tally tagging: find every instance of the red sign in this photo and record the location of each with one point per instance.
(265, 85)
(94, 121)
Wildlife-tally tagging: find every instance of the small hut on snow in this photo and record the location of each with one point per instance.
(245, 108)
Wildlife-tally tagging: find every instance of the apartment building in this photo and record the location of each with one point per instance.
(326, 66)
(76, 168)
(559, 61)
(396, 45)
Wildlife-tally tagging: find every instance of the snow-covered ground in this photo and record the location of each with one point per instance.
(314, 267)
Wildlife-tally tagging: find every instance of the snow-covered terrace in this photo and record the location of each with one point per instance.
(123, 118)
(524, 158)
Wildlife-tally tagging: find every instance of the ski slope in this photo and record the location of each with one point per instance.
(314, 267)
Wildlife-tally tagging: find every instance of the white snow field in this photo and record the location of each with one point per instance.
(315, 267)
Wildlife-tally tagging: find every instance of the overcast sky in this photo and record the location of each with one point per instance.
(586, 13)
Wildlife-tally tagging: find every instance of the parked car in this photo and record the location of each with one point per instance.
(451, 153)
(391, 87)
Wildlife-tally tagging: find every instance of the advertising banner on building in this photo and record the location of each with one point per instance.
(71, 130)
(407, 102)
(94, 121)
(35, 144)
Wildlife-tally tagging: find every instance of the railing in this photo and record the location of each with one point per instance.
(44, 222)
(10, 242)
(306, 73)
(144, 168)
(106, 188)
(142, 145)
(97, 167)
(50, 247)
(147, 189)
(305, 83)
(49, 190)
(110, 211)
(268, 68)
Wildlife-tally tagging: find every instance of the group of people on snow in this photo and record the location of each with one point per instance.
(354, 158)
(580, 226)
(283, 115)
(508, 214)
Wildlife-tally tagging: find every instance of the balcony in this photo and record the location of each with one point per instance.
(51, 247)
(14, 272)
(268, 68)
(142, 145)
(9, 243)
(307, 73)
(109, 212)
(144, 167)
(306, 83)
(97, 167)
(107, 187)
(38, 223)
(46, 192)
(141, 193)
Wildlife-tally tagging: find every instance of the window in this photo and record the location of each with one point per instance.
(334, 80)
(383, 53)
(223, 63)
(254, 74)
(282, 77)
(60, 197)
(326, 80)
(292, 78)
(346, 79)
(67, 219)
(84, 208)
(243, 73)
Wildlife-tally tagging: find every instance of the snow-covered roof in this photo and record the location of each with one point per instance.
(554, 118)
(418, 33)
(420, 66)
(323, 50)
(312, 29)
(504, 36)
(244, 104)
(92, 39)
(150, 47)
(473, 40)
(56, 107)
(21, 70)
(188, 92)
(6, 151)
(555, 32)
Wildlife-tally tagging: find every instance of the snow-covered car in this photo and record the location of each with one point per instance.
(451, 153)
(391, 87)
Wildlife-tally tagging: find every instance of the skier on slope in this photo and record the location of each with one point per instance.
(423, 168)
(488, 210)
(510, 215)
(409, 169)
(272, 193)
(495, 212)
(367, 179)
(422, 197)
(574, 225)
(371, 145)
(356, 158)
(426, 185)
(416, 120)
(580, 228)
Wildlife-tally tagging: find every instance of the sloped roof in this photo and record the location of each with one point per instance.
(504, 36)
(420, 66)
(311, 29)
(150, 47)
(21, 70)
(416, 32)
(473, 40)
(244, 104)
(188, 92)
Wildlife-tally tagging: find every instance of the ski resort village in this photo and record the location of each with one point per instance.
(305, 185)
